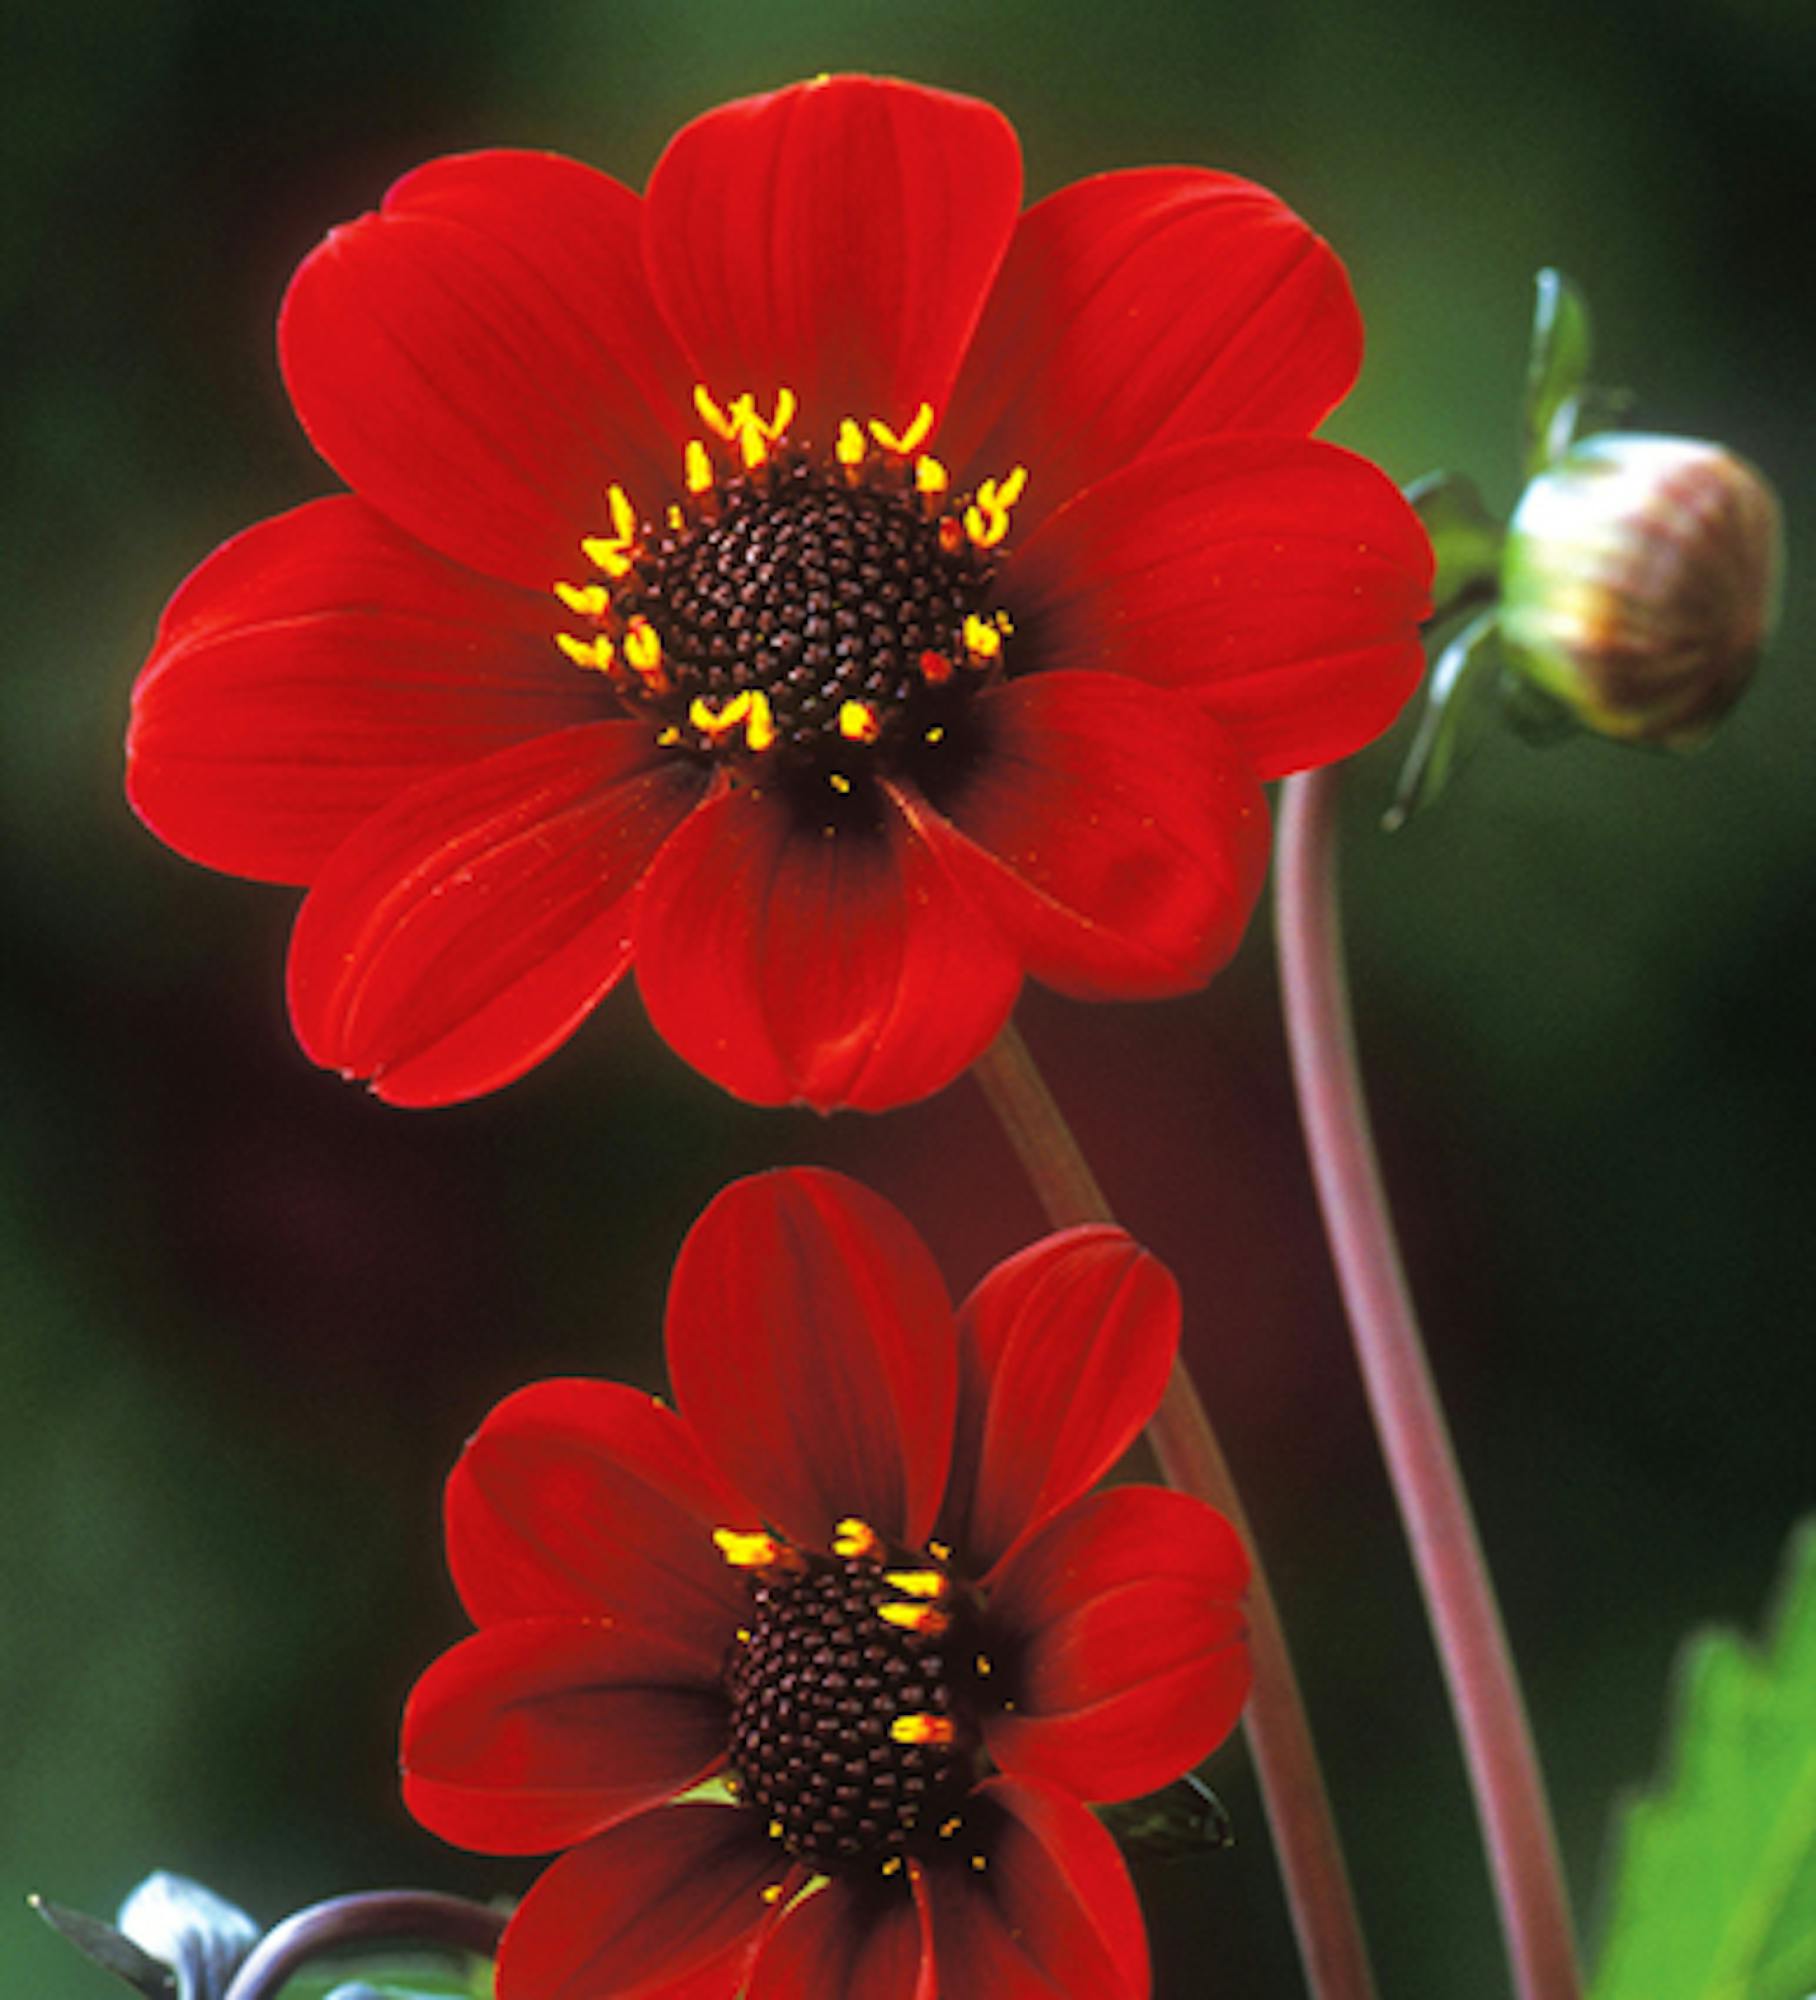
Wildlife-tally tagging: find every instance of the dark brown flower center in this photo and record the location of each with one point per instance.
(823, 598)
(804, 613)
(853, 1708)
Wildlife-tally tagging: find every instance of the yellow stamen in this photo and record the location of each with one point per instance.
(943, 1550)
(930, 477)
(893, 1866)
(850, 448)
(904, 442)
(858, 722)
(786, 406)
(697, 466)
(915, 1618)
(595, 654)
(715, 419)
(643, 649)
(747, 1551)
(776, 1829)
(950, 1827)
(613, 557)
(760, 723)
(934, 735)
(853, 1537)
(917, 1582)
(987, 518)
(923, 1729)
(624, 515)
(738, 423)
(587, 600)
(839, 783)
(982, 1666)
(773, 1894)
(668, 737)
(982, 640)
(979, 1863)
(713, 723)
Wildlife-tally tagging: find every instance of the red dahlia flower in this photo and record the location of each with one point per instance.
(812, 580)
(860, 1580)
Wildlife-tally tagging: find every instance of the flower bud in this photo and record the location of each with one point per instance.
(1639, 583)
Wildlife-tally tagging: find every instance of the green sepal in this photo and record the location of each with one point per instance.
(1466, 539)
(1185, 1817)
(1457, 703)
(108, 1948)
(1556, 370)
(1533, 715)
(1715, 1892)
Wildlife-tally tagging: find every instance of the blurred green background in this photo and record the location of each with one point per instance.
(247, 1316)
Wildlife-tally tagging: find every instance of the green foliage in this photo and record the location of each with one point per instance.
(1557, 370)
(393, 1975)
(1715, 1897)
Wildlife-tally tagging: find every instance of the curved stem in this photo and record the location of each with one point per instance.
(1415, 1440)
(393, 1916)
(1279, 1737)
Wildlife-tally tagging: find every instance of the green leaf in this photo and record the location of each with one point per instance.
(108, 1948)
(1456, 703)
(1556, 370)
(1465, 537)
(392, 1975)
(1186, 1817)
(1715, 1897)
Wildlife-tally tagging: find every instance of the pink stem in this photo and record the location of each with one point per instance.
(1279, 1737)
(1459, 1598)
(377, 1916)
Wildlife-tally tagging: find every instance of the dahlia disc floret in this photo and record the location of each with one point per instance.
(814, 1675)
(813, 582)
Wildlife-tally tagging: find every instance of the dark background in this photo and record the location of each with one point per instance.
(247, 1316)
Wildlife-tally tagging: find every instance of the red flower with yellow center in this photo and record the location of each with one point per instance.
(859, 1579)
(812, 581)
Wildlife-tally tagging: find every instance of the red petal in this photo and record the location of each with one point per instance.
(1125, 1618)
(481, 359)
(1277, 581)
(1063, 1353)
(848, 1941)
(592, 1499)
(1050, 1916)
(811, 1346)
(643, 1909)
(836, 238)
(314, 667)
(1112, 833)
(466, 931)
(842, 969)
(1137, 309)
(535, 1734)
